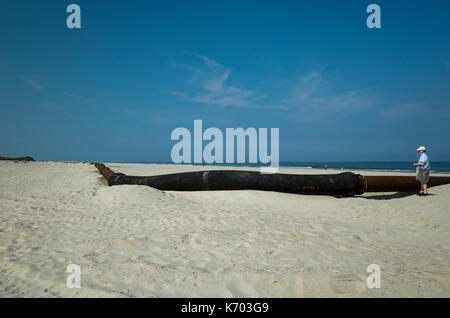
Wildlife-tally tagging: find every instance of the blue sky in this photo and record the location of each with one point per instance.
(116, 88)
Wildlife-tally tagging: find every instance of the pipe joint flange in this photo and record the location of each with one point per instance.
(363, 181)
(115, 178)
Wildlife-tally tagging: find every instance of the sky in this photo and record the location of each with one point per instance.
(114, 90)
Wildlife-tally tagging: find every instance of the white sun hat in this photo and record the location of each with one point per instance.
(422, 148)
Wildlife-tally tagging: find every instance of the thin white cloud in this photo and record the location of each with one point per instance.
(215, 90)
(33, 83)
(208, 61)
(38, 86)
(311, 94)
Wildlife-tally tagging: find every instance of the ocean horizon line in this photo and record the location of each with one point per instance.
(394, 166)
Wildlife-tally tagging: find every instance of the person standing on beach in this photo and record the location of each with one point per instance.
(422, 170)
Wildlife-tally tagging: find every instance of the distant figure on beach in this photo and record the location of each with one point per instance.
(325, 167)
(422, 170)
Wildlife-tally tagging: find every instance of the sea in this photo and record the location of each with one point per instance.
(397, 166)
(381, 166)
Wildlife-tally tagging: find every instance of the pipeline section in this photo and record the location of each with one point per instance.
(346, 183)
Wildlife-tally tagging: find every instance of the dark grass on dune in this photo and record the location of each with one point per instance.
(27, 158)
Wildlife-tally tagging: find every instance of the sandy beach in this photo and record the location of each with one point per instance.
(136, 241)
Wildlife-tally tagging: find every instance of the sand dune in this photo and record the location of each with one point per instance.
(136, 241)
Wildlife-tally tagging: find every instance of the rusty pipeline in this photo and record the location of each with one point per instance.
(104, 170)
(400, 183)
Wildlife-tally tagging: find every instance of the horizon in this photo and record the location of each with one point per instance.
(114, 90)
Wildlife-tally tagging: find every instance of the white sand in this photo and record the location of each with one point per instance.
(141, 242)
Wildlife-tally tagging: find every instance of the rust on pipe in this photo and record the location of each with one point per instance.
(107, 173)
(400, 183)
(104, 170)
